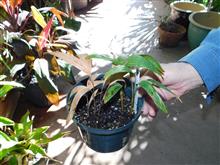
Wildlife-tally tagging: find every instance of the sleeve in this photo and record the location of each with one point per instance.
(206, 60)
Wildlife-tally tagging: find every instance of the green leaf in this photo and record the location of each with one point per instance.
(71, 23)
(121, 60)
(116, 70)
(100, 56)
(160, 85)
(44, 81)
(151, 91)
(5, 122)
(37, 149)
(112, 91)
(4, 15)
(148, 62)
(38, 132)
(46, 140)
(12, 83)
(5, 89)
(3, 137)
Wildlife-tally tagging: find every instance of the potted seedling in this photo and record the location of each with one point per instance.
(105, 108)
(21, 144)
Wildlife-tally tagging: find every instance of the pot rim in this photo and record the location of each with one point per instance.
(107, 131)
(183, 29)
(191, 19)
(172, 5)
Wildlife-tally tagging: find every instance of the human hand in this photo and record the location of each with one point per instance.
(179, 78)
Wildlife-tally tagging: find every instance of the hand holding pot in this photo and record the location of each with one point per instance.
(179, 78)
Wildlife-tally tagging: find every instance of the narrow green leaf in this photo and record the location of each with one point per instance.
(100, 56)
(121, 60)
(136, 61)
(46, 140)
(4, 90)
(38, 132)
(116, 70)
(12, 83)
(151, 91)
(160, 85)
(112, 91)
(153, 61)
(3, 137)
(5, 122)
(37, 149)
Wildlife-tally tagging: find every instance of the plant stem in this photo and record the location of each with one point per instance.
(122, 99)
(137, 80)
(6, 65)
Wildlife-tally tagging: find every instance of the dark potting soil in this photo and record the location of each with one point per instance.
(109, 116)
(170, 27)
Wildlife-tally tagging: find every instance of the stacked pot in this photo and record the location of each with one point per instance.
(196, 19)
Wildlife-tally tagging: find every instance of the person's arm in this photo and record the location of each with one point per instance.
(201, 66)
(206, 60)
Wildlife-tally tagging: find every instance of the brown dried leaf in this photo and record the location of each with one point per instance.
(81, 92)
(76, 62)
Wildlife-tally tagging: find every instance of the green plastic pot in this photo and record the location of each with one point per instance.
(201, 23)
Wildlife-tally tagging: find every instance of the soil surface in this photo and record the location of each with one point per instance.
(105, 116)
(170, 27)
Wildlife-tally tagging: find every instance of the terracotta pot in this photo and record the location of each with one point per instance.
(171, 39)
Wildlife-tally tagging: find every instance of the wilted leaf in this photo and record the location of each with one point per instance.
(112, 91)
(81, 92)
(74, 61)
(116, 70)
(58, 14)
(38, 17)
(5, 122)
(151, 91)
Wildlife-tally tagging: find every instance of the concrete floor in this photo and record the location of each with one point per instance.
(189, 135)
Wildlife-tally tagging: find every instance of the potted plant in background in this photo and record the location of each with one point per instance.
(170, 33)
(36, 31)
(106, 110)
(21, 144)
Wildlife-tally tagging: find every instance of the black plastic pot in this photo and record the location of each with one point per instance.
(103, 140)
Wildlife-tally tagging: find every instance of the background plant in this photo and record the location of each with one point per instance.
(36, 31)
(20, 143)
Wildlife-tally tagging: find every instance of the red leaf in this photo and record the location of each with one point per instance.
(45, 34)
